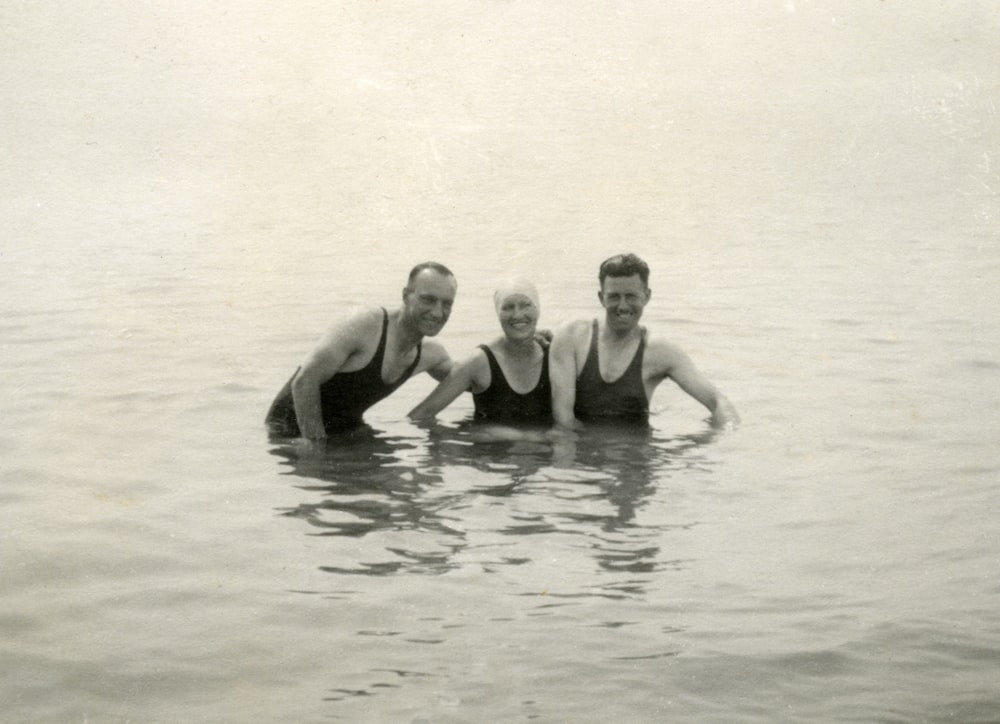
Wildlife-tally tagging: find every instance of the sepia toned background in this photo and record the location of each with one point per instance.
(189, 194)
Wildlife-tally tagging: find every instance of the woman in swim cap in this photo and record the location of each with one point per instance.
(508, 377)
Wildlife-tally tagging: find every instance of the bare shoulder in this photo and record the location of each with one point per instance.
(357, 320)
(574, 327)
(364, 318)
(573, 331)
(350, 338)
(474, 368)
(476, 359)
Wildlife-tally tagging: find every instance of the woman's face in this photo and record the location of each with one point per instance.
(518, 317)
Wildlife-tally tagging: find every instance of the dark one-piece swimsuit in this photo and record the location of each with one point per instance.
(500, 403)
(624, 399)
(344, 397)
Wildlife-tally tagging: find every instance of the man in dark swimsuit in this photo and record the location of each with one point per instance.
(607, 369)
(365, 357)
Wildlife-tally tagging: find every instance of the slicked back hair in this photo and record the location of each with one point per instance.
(624, 265)
(433, 265)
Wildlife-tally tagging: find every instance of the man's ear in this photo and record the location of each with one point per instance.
(600, 296)
(406, 290)
(649, 294)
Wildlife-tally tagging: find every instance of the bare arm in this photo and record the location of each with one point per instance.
(562, 376)
(683, 371)
(329, 356)
(435, 357)
(463, 376)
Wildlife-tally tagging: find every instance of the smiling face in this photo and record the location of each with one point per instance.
(427, 301)
(518, 317)
(623, 299)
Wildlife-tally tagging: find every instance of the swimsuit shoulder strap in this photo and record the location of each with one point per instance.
(496, 374)
(642, 345)
(593, 341)
(416, 359)
(380, 350)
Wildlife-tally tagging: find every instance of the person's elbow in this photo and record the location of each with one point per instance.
(442, 369)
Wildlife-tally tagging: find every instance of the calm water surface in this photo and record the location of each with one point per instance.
(189, 196)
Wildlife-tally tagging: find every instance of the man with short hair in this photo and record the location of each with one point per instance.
(608, 369)
(365, 357)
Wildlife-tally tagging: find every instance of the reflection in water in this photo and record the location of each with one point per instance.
(633, 465)
(419, 502)
(369, 485)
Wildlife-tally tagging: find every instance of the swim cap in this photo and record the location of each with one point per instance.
(516, 285)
